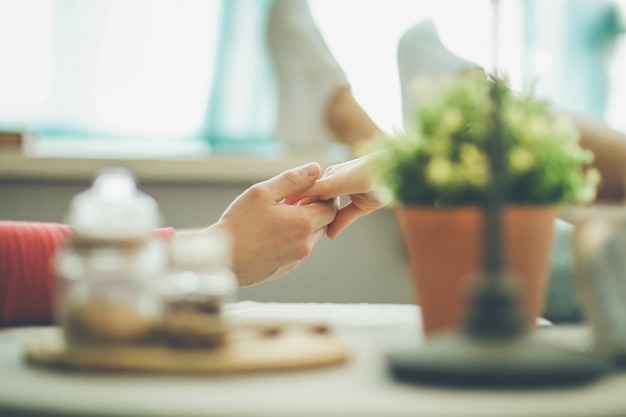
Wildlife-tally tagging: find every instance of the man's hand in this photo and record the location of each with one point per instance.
(271, 238)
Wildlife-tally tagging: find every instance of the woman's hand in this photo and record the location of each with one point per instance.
(352, 179)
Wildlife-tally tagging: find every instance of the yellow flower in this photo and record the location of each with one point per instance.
(473, 165)
(451, 120)
(521, 160)
(514, 116)
(439, 171)
(536, 127)
(470, 154)
(564, 127)
(476, 175)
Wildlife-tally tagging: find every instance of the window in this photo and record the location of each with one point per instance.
(139, 69)
(182, 71)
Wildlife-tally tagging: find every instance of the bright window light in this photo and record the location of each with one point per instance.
(155, 66)
(26, 50)
(363, 35)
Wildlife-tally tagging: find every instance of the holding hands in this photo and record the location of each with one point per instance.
(271, 238)
(351, 178)
(275, 224)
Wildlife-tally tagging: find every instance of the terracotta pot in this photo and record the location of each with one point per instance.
(445, 250)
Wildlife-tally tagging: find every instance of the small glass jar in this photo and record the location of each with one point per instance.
(201, 283)
(106, 270)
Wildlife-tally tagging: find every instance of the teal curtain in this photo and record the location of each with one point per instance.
(242, 105)
(578, 35)
(591, 32)
(581, 49)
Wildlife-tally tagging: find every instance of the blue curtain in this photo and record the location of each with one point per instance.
(242, 105)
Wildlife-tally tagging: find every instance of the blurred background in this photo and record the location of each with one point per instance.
(189, 81)
(175, 72)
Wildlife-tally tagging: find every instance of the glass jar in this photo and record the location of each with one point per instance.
(107, 269)
(201, 283)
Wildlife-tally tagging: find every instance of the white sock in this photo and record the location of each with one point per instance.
(422, 54)
(308, 76)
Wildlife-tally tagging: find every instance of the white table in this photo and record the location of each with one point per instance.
(360, 387)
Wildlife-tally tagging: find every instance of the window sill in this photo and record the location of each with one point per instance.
(16, 166)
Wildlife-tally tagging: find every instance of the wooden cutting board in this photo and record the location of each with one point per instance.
(251, 346)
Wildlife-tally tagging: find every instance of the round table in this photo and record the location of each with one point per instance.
(359, 387)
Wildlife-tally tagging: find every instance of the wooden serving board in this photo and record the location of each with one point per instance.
(250, 347)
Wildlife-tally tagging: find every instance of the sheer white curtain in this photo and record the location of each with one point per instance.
(107, 67)
(25, 59)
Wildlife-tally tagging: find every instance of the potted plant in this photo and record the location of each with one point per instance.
(438, 173)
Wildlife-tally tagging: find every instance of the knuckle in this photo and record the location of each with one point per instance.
(256, 192)
(303, 252)
(291, 177)
(305, 229)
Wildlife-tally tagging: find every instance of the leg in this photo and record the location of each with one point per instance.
(421, 53)
(347, 120)
(609, 149)
(315, 102)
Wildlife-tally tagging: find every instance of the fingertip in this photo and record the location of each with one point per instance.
(313, 169)
(333, 231)
(344, 218)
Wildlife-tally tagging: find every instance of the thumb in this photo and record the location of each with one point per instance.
(314, 192)
(293, 181)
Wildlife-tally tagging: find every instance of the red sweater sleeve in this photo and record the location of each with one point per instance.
(26, 278)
